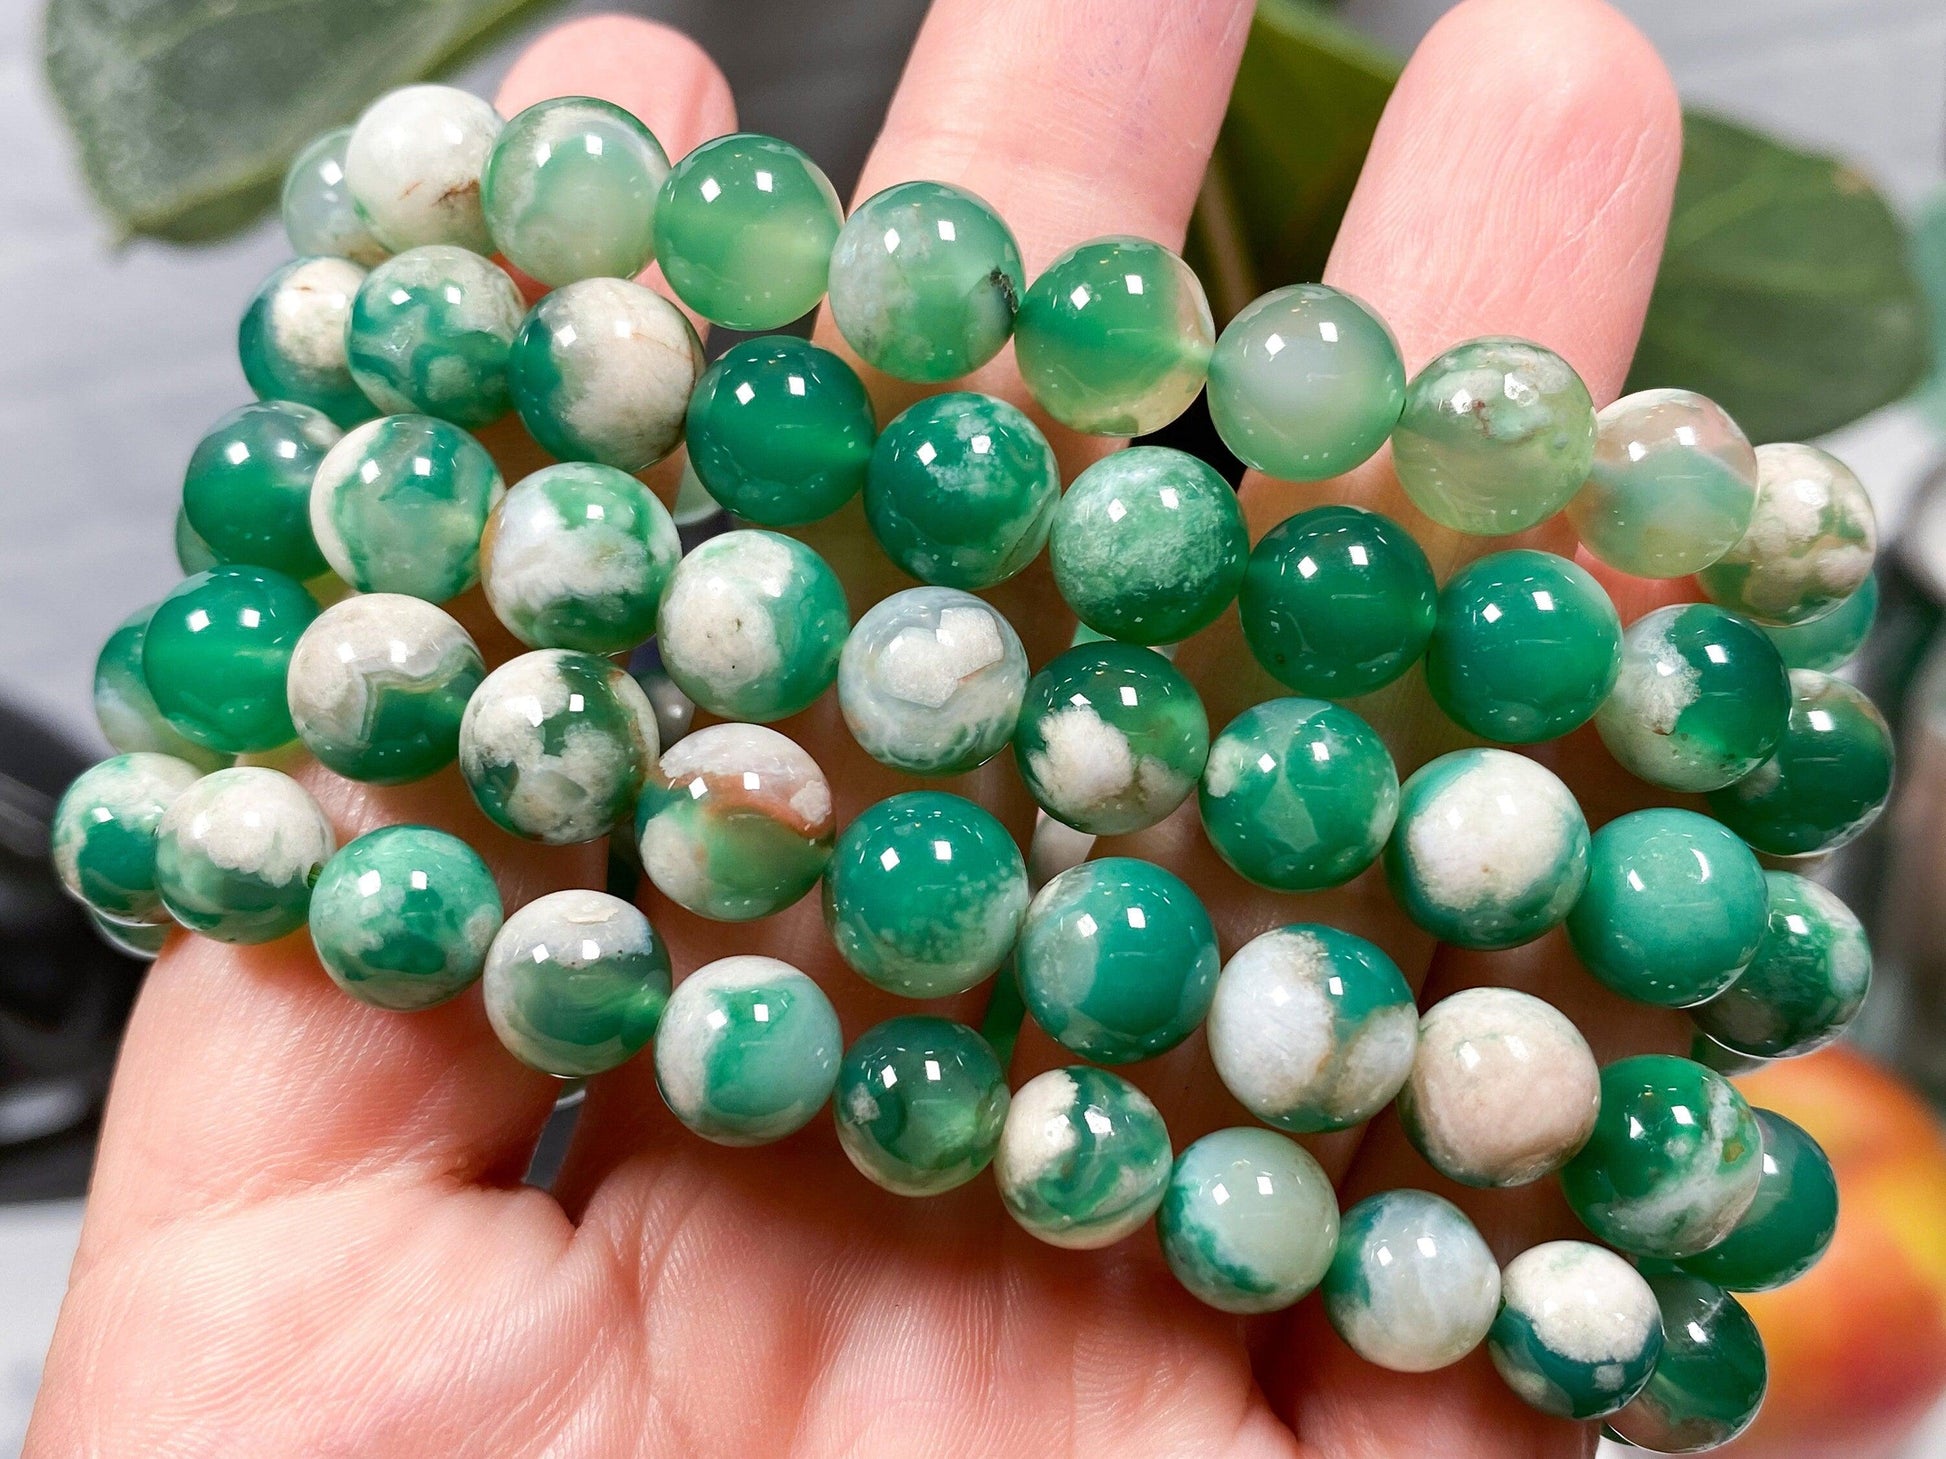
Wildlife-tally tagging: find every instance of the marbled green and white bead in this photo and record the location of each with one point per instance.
(1413, 1287)
(1810, 542)
(1084, 1158)
(1808, 979)
(103, 834)
(1249, 1222)
(247, 490)
(318, 213)
(430, 331)
(1829, 643)
(413, 166)
(237, 853)
(1578, 1331)
(920, 1105)
(1710, 1379)
(1791, 1221)
(129, 717)
(291, 341)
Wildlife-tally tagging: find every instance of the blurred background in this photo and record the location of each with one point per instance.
(1805, 289)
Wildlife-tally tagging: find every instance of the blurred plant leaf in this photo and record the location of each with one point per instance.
(1929, 264)
(186, 112)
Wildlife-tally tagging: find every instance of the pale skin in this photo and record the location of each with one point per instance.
(307, 1233)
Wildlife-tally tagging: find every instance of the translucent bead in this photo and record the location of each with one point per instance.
(1810, 543)
(925, 281)
(1827, 644)
(1306, 383)
(430, 332)
(193, 554)
(247, 492)
(1672, 488)
(1114, 338)
(103, 833)
(744, 229)
(129, 717)
(1249, 1222)
(1148, 545)
(1708, 1382)
(1412, 1287)
(1495, 436)
(142, 941)
(568, 191)
(319, 216)
(291, 341)
(237, 853)
(215, 653)
(1084, 1158)
(920, 1104)
(1789, 1224)
(1807, 981)
(413, 166)
(1554, 1300)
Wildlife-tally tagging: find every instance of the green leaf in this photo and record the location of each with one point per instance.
(186, 112)
(1929, 265)
(1786, 292)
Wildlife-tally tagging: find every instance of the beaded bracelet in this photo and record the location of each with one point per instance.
(322, 525)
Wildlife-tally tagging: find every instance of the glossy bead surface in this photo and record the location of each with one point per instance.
(1111, 738)
(1526, 648)
(215, 653)
(378, 684)
(1305, 383)
(193, 554)
(430, 332)
(1828, 780)
(142, 941)
(1807, 981)
(1673, 485)
(413, 166)
(961, 490)
(318, 213)
(735, 822)
(1117, 960)
(291, 341)
(247, 492)
(1701, 699)
(1148, 545)
(1828, 643)
(1412, 1287)
(1249, 1222)
(237, 853)
(402, 917)
(1788, 1225)
(103, 832)
(1810, 542)
(920, 1104)
(1114, 338)
(1312, 1029)
(1673, 1163)
(1495, 436)
(1084, 1158)
(576, 982)
(1490, 849)
(129, 717)
(1578, 1332)
(568, 191)
(1298, 795)
(925, 281)
(744, 229)
(1710, 1379)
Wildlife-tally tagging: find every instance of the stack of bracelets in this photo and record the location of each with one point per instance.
(355, 483)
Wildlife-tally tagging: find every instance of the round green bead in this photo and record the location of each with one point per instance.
(216, 651)
(1674, 908)
(1114, 338)
(1789, 1224)
(1709, 1381)
(744, 229)
(237, 853)
(1828, 643)
(1111, 738)
(247, 492)
(1148, 545)
(1084, 1158)
(1298, 795)
(1250, 1221)
(1673, 1163)
(291, 341)
(1808, 979)
(430, 331)
(140, 940)
(1700, 701)
(924, 894)
(102, 836)
(1495, 436)
(568, 191)
(1810, 542)
(920, 1104)
(1412, 1287)
(925, 281)
(780, 432)
(1827, 782)
(1578, 1332)
(961, 490)
(193, 554)
(129, 717)
(1117, 960)
(318, 213)
(576, 983)
(1305, 383)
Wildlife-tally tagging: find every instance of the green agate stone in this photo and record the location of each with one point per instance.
(1674, 1161)
(103, 834)
(747, 1051)
(1578, 1332)
(399, 504)
(1827, 782)
(1490, 849)
(1412, 1287)
(1306, 383)
(1701, 699)
(569, 191)
(1709, 1381)
(1148, 545)
(1114, 338)
(924, 894)
(402, 917)
(215, 654)
(247, 492)
(920, 1105)
(578, 556)
(752, 625)
(129, 717)
(1526, 648)
(1788, 1225)
(925, 281)
(413, 166)
(1117, 960)
(430, 330)
(1312, 1029)
(735, 822)
(1495, 436)
(1807, 981)
(1674, 908)
(193, 554)
(1249, 1222)
(143, 941)
(291, 341)
(1673, 485)
(378, 685)
(744, 229)
(237, 853)
(1298, 795)
(318, 213)
(780, 432)
(576, 983)
(1084, 1158)
(1827, 644)
(1111, 738)
(961, 490)
(1810, 542)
